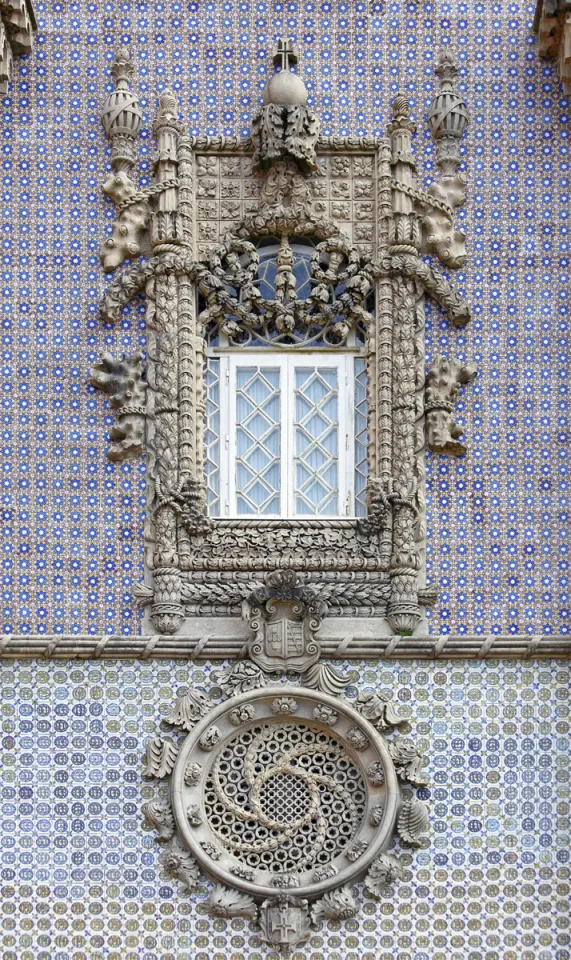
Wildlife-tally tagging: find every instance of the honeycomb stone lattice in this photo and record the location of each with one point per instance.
(284, 796)
(285, 799)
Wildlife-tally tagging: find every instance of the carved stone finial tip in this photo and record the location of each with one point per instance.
(401, 106)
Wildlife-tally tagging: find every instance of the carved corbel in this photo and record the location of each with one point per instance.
(448, 119)
(443, 383)
(123, 380)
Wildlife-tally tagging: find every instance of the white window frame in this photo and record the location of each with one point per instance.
(286, 363)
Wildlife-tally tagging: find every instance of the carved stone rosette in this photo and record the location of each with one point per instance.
(197, 229)
(284, 798)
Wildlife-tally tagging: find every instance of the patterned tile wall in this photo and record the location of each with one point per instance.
(71, 538)
(81, 879)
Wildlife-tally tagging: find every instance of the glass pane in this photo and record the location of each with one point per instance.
(257, 441)
(212, 438)
(316, 441)
(361, 437)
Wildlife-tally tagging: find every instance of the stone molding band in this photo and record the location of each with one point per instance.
(161, 647)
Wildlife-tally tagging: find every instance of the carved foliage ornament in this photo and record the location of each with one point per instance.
(293, 800)
(197, 230)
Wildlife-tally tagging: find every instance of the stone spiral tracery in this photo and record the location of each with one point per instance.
(284, 797)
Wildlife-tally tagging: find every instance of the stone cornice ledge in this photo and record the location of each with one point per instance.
(160, 647)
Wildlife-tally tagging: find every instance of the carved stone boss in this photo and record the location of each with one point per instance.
(193, 233)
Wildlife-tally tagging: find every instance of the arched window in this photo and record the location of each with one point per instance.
(286, 397)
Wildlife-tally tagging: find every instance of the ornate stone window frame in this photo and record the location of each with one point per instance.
(358, 200)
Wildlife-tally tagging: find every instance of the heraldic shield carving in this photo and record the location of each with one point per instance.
(285, 245)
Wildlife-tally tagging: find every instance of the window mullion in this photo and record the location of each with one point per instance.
(288, 418)
(230, 437)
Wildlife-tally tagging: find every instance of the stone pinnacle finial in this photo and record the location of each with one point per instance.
(122, 69)
(401, 106)
(285, 89)
(285, 53)
(168, 105)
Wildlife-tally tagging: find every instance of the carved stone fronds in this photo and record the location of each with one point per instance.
(378, 709)
(433, 283)
(552, 23)
(134, 279)
(285, 132)
(188, 710)
(123, 380)
(284, 921)
(337, 905)
(160, 757)
(383, 871)
(442, 388)
(412, 822)
(160, 817)
(322, 676)
(408, 761)
(224, 592)
(241, 677)
(178, 863)
(225, 902)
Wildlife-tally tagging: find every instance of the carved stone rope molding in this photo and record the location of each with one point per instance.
(160, 647)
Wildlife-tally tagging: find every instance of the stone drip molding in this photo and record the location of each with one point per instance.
(160, 647)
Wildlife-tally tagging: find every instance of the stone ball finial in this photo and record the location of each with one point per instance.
(285, 89)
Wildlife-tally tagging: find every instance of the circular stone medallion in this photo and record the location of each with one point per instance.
(284, 787)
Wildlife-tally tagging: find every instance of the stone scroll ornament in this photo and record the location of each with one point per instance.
(194, 234)
(285, 798)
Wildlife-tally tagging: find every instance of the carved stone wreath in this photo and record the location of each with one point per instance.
(285, 789)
